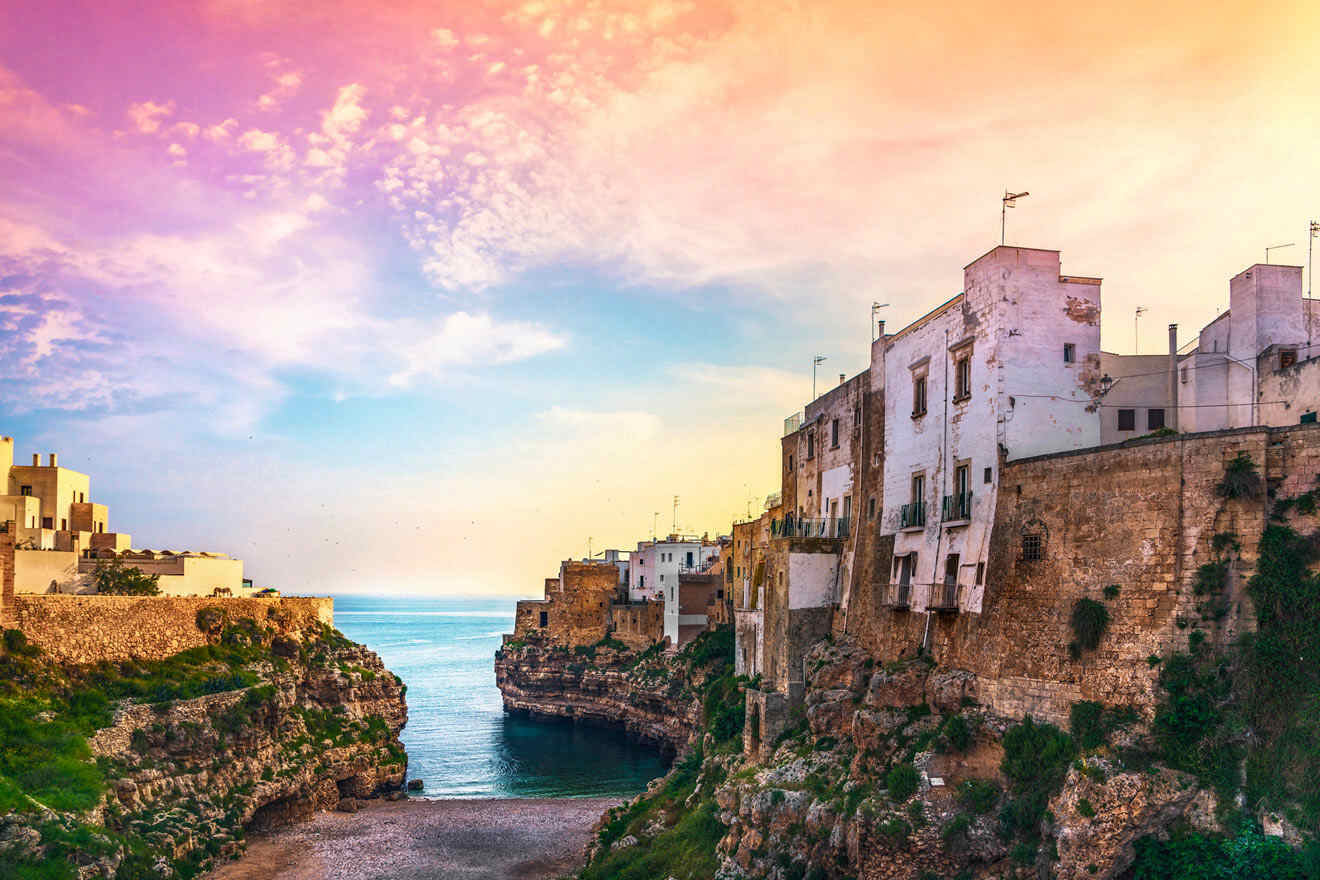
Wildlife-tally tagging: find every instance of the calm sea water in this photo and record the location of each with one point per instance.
(459, 740)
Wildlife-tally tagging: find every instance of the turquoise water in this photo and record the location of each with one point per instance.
(459, 740)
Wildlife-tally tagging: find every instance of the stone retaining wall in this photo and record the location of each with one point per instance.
(89, 629)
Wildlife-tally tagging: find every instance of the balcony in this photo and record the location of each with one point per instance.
(943, 597)
(792, 423)
(957, 508)
(899, 596)
(810, 527)
(912, 516)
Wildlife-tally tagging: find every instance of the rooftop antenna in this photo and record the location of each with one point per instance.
(875, 307)
(1010, 201)
(1136, 340)
(675, 514)
(655, 518)
(1275, 247)
(816, 362)
(589, 554)
(1310, 241)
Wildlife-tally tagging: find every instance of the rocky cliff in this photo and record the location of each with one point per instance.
(649, 694)
(157, 769)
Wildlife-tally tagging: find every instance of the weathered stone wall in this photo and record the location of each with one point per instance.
(89, 629)
(576, 605)
(6, 571)
(1140, 516)
(638, 625)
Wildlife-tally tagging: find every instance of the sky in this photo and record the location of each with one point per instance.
(423, 297)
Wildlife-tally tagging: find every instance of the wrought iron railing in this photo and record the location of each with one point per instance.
(810, 527)
(957, 506)
(944, 597)
(900, 595)
(912, 515)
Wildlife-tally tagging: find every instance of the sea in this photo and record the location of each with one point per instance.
(460, 742)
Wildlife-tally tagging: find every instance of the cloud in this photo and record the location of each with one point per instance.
(463, 339)
(147, 116)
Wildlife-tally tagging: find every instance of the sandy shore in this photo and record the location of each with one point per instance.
(520, 839)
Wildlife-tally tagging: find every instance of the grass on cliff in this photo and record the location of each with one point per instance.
(685, 849)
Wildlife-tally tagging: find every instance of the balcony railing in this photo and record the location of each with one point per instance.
(944, 597)
(810, 527)
(792, 423)
(900, 596)
(912, 515)
(957, 507)
(699, 567)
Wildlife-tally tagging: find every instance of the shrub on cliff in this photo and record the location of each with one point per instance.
(1089, 621)
(902, 780)
(113, 578)
(1241, 479)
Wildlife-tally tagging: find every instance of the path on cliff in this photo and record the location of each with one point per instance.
(511, 839)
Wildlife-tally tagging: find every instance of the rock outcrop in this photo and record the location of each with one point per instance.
(297, 722)
(648, 694)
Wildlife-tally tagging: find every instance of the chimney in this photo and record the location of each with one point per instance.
(880, 329)
(53, 460)
(36, 459)
(1171, 417)
(842, 378)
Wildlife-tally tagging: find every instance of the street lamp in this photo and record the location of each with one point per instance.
(875, 307)
(1275, 247)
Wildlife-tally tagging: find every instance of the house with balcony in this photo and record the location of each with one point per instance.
(1008, 368)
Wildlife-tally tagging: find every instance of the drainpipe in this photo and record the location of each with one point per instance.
(1173, 378)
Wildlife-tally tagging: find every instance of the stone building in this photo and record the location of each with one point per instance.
(59, 536)
(575, 608)
(655, 565)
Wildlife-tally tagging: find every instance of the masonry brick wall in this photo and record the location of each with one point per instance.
(90, 629)
(576, 605)
(1140, 516)
(638, 625)
(7, 572)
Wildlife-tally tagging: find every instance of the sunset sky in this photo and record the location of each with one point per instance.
(419, 297)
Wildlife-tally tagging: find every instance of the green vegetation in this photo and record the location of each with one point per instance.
(1089, 621)
(1202, 857)
(685, 849)
(113, 578)
(978, 796)
(1036, 759)
(902, 781)
(1241, 479)
(959, 733)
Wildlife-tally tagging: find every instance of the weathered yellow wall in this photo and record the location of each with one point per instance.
(35, 571)
(89, 629)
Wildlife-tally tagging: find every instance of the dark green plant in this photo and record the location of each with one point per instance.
(1085, 808)
(954, 834)
(978, 796)
(902, 781)
(1241, 479)
(1111, 591)
(959, 733)
(1210, 578)
(1086, 721)
(113, 578)
(1089, 620)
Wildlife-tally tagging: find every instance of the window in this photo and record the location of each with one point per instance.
(834, 434)
(1287, 357)
(1127, 420)
(906, 567)
(1154, 419)
(951, 569)
(980, 573)
(64, 525)
(1031, 548)
(1308, 418)
(961, 479)
(689, 559)
(790, 462)
(1069, 353)
(989, 475)
(870, 508)
(719, 594)
(918, 396)
(545, 618)
(25, 490)
(811, 445)
(857, 415)
(962, 377)
(918, 488)
(1184, 375)
(48, 522)
(641, 582)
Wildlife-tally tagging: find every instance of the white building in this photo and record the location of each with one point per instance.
(1007, 369)
(654, 566)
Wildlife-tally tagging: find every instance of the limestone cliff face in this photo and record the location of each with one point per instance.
(650, 695)
(183, 780)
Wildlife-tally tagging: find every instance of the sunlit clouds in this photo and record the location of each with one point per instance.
(546, 264)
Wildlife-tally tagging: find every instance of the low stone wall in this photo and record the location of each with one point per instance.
(638, 625)
(89, 629)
